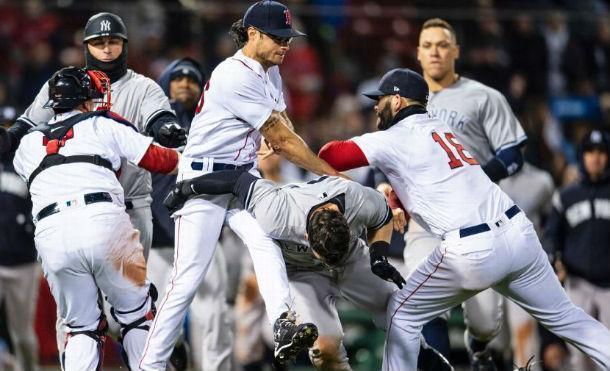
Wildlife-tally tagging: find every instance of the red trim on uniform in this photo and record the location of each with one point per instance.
(244, 146)
(167, 291)
(159, 159)
(343, 155)
(408, 297)
(250, 68)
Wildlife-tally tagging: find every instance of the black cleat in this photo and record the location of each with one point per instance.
(179, 360)
(290, 338)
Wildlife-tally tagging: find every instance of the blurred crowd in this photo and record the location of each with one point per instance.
(552, 62)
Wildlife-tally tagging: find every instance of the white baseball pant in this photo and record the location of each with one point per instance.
(198, 226)
(482, 312)
(508, 258)
(84, 250)
(141, 219)
(211, 335)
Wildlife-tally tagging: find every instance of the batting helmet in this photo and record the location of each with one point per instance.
(105, 24)
(72, 86)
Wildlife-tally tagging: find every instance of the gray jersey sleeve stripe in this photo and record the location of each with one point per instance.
(512, 144)
(155, 115)
(26, 120)
(386, 219)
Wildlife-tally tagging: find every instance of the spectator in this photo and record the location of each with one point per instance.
(578, 236)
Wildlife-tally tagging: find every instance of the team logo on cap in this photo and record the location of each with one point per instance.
(288, 17)
(105, 25)
(396, 88)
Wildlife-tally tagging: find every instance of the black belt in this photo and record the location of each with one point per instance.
(219, 166)
(465, 232)
(90, 198)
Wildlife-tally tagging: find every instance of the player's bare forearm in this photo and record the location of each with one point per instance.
(287, 143)
(287, 120)
(382, 234)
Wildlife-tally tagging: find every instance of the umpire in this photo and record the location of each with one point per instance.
(577, 235)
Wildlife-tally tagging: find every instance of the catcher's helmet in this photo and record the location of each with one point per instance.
(104, 24)
(72, 86)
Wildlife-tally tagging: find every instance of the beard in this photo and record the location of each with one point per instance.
(384, 117)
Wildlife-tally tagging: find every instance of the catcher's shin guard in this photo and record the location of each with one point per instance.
(98, 335)
(133, 342)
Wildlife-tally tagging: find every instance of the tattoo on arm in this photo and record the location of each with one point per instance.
(270, 124)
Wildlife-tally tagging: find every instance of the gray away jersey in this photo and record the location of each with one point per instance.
(480, 117)
(135, 97)
(282, 213)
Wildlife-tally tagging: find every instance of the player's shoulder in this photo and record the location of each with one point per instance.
(137, 78)
(476, 89)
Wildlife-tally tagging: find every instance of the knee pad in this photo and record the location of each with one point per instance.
(99, 335)
(138, 323)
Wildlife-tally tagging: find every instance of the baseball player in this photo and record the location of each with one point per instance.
(133, 96)
(319, 226)
(83, 236)
(242, 101)
(210, 324)
(487, 241)
(484, 123)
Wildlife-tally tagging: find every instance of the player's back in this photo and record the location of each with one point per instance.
(93, 136)
(135, 97)
(283, 212)
(437, 180)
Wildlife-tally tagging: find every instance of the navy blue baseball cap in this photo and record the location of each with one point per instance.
(403, 81)
(271, 17)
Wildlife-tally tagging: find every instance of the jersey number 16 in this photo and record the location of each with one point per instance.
(454, 162)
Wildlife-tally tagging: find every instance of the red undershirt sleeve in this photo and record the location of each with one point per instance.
(343, 155)
(159, 159)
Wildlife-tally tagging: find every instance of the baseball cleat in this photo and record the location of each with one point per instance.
(290, 338)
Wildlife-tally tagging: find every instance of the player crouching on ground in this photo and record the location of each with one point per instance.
(86, 242)
(319, 226)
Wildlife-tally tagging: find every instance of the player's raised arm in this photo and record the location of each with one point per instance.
(277, 132)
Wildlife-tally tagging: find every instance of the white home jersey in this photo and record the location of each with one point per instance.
(442, 187)
(135, 97)
(96, 135)
(479, 116)
(236, 102)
